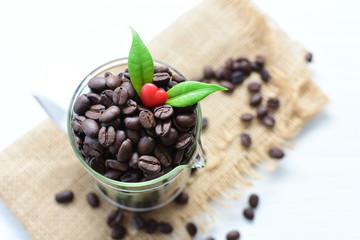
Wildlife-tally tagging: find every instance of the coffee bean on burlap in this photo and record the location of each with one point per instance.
(264, 74)
(220, 73)
(248, 213)
(186, 120)
(94, 98)
(90, 127)
(134, 136)
(229, 63)
(107, 97)
(137, 221)
(112, 81)
(191, 229)
(95, 111)
(273, 103)
(163, 112)
(120, 96)
(208, 72)
(244, 66)
(81, 105)
(309, 57)
(115, 217)
(163, 155)
(118, 232)
(261, 112)
(247, 117)
(125, 151)
(254, 87)
(260, 60)
(165, 227)
(112, 174)
(171, 138)
(134, 160)
(131, 176)
(268, 120)
(255, 100)
(237, 77)
(110, 114)
(133, 123)
(106, 136)
(178, 156)
(147, 119)
(97, 84)
(130, 89)
(76, 123)
(65, 196)
(253, 200)
(120, 137)
(149, 164)
(146, 145)
(161, 79)
(226, 84)
(115, 164)
(151, 226)
(184, 141)
(178, 78)
(182, 198)
(255, 67)
(93, 200)
(245, 140)
(276, 153)
(233, 235)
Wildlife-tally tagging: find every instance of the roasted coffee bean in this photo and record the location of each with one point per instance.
(95, 111)
(244, 67)
(107, 98)
(147, 119)
(120, 96)
(110, 114)
(165, 227)
(65, 196)
(125, 151)
(253, 200)
(151, 226)
(226, 84)
(126, 76)
(115, 218)
(134, 160)
(264, 74)
(163, 112)
(151, 132)
(182, 198)
(131, 176)
(184, 140)
(208, 72)
(247, 117)
(137, 221)
(130, 89)
(130, 107)
(149, 164)
(76, 123)
(146, 146)
(186, 120)
(106, 136)
(237, 77)
(309, 57)
(113, 81)
(248, 213)
(260, 60)
(178, 78)
(97, 84)
(268, 120)
(118, 232)
(93, 143)
(107, 74)
(81, 105)
(115, 164)
(163, 128)
(254, 87)
(191, 229)
(93, 200)
(255, 99)
(171, 138)
(222, 73)
(120, 137)
(134, 136)
(98, 164)
(276, 153)
(133, 123)
(255, 67)
(161, 79)
(205, 123)
(112, 174)
(261, 112)
(229, 63)
(245, 140)
(233, 235)
(273, 103)
(90, 128)
(91, 152)
(94, 98)
(171, 84)
(161, 69)
(178, 156)
(163, 155)
(149, 176)
(116, 123)
(188, 109)
(79, 141)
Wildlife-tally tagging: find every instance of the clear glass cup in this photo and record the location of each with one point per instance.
(139, 196)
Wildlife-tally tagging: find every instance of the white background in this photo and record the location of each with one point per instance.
(315, 193)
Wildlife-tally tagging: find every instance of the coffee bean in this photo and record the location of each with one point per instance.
(264, 74)
(178, 127)
(65, 196)
(133, 123)
(161, 79)
(233, 235)
(245, 140)
(243, 65)
(163, 155)
(255, 67)
(131, 176)
(147, 119)
(112, 81)
(94, 98)
(165, 227)
(309, 57)
(237, 77)
(134, 160)
(125, 151)
(110, 114)
(115, 164)
(118, 232)
(248, 213)
(93, 200)
(97, 84)
(107, 98)
(229, 63)
(98, 164)
(162, 69)
(208, 72)
(182, 198)
(268, 120)
(205, 123)
(254, 87)
(106, 136)
(149, 164)
(149, 176)
(186, 120)
(130, 107)
(163, 128)
(130, 89)
(115, 123)
(273, 103)
(90, 128)
(163, 112)
(220, 73)
(247, 117)
(115, 217)
(276, 153)
(151, 132)
(188, 109)
(253, 200)
(76, 123)
(120, 96)
(230, 86)
(137, 221)
(261, 112)
(184, 141)
(178, 156)
(260, 60)
(81, 105)
(91, 152)
(146, 146)
(255, 99)
(171, 138)
(178, 78)
(120, 137)
(134, 136)
(151, 226)
(95, 111)
(112, 174)
(191, 229)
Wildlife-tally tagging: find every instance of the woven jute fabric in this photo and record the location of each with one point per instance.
(42, 163)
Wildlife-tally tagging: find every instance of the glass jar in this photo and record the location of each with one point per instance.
(139, 196)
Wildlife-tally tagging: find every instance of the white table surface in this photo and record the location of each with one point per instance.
(315, 193)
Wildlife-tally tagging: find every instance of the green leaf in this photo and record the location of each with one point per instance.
(140, 63)
(190, 92)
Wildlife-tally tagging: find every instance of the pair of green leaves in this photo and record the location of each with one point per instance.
(141, 70)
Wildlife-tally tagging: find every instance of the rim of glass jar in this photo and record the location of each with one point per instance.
(173, 173)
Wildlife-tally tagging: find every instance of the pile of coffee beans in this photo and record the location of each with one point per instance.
(125, 141)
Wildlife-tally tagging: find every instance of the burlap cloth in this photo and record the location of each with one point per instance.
(41, 163)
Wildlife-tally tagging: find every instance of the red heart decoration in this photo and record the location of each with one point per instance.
(152, 96)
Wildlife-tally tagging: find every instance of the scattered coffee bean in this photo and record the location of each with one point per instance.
(165, 227)
(245, 140)
(208, 72)
(229, 63)
(247, 117)
(273, 103)
(233, 235)
(264, 74)
(248, 213)
(255, 99)
(182, 198)
(253, 200)
(115, 218)
(309, 57)
(151, 226)
(191, 229)
(230, 86)
(65, 196)
(254, 87)
(205, 122)
(93, 200)
(268, 120)
(118, 232)
(81, 105)
(261, 112)
(97, 84)
(276, 153)
(137, 221)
